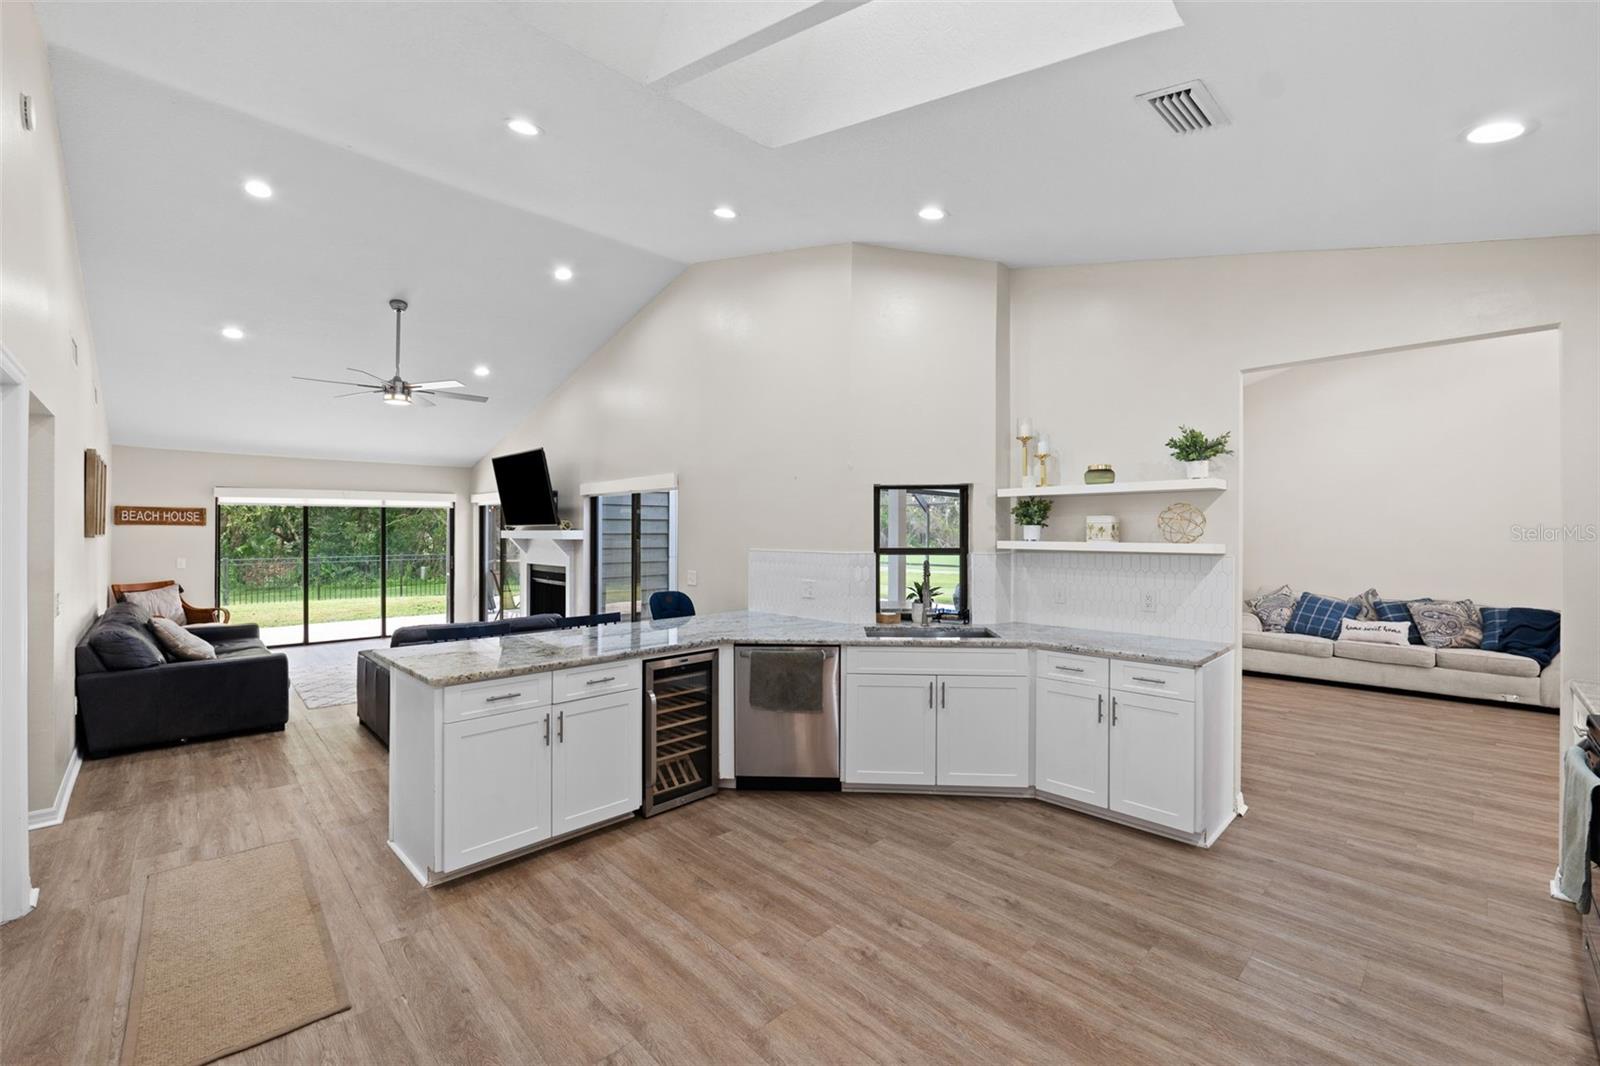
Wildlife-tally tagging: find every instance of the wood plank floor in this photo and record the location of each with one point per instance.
(1384, 901)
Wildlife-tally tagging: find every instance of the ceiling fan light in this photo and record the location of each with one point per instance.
(394, 399)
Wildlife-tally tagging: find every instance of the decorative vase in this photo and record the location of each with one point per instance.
(916, 612)
(1197, 469)
(1031, 532)
(1102, 527)
(1099, 474)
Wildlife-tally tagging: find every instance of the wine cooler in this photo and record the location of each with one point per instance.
(680, 730)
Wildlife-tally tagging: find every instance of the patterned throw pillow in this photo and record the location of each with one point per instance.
(1368, 602)
(164, 602)
(1273, 608)
(1448, 623)
(1494, 626)
(1320, 616)
(180, 642)
(1398, 611)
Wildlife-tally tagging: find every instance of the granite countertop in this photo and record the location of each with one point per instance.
(465, 661)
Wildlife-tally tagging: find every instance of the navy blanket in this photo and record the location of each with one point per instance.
(1534, 632)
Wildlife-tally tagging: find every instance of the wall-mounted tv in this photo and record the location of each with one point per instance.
(526, 498)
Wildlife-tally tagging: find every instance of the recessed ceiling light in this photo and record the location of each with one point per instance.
(1497, 131)
(562, 273)
(258, 188)
(522, 126)
(931, 213)
(725, 212)
(233, 333)
(481, 370)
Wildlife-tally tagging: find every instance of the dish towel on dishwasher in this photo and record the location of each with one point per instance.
(786, 679)
(1571, 882)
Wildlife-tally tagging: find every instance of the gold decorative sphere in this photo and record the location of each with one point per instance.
(1182, 523)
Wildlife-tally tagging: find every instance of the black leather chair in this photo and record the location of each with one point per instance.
(131, 694)
(372, 679)
(670, 603)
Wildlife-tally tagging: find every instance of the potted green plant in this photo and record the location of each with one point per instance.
(1032, 514)
(1195, 450)
(914, 594)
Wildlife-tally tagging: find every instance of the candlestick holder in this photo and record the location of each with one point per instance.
(1044, 466)
(1026, 469)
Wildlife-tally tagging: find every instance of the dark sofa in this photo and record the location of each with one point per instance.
(372, 679)
(133, 695)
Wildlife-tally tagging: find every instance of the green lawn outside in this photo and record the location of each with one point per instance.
(946, 576)
(352, 609)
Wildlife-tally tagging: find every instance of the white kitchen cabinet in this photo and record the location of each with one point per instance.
(1071, 734)
(890, 730)
(983, 732)
(1153, 759)
(496, 777)
(596, 771)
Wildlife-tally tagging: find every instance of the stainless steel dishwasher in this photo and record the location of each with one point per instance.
(786, 716)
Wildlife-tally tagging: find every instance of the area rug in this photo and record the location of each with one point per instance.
(232, 952)
(325, 686)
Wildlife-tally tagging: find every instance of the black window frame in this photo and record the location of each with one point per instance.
(963, 551)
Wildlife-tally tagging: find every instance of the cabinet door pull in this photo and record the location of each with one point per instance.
(1100, 709)
(930, 695)
(941, 694)
(561, 725)
(1113, 710)
(497, 699)
(1148, 680)
(1071, 669)
(600, 680)
(547, 730)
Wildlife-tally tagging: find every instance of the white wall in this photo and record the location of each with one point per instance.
(1112, 357)
(780, 388)
(42, 311)
(163, 478)
(1409, 472)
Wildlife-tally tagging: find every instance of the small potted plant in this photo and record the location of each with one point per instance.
(1195, 450)
(914, 594)
(1032, 513)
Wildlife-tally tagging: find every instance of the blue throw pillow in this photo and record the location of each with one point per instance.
(1320, 616)
(1494, 626)
(1397, 611)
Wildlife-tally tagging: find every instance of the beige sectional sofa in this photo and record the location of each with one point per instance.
(1466, 673)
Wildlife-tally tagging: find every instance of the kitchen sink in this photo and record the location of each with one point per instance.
(944, 632)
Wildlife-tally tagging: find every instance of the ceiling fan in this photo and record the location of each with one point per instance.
(397, 390)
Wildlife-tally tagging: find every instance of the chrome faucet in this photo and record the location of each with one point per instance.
(927, 597)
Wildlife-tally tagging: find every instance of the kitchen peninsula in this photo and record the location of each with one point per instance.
(504, 745)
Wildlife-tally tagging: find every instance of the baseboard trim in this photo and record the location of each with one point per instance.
(56, 813)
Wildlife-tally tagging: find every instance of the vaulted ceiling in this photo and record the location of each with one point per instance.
(382, 131)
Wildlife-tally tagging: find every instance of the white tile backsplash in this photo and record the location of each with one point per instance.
(841, 584)
(1194, 593)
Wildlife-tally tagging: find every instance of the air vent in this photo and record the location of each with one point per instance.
(1186, 108)
(27, 112)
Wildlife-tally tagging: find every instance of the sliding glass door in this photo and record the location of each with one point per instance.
(499, 577)
(312, 574)
(261, 568)
(635, 550)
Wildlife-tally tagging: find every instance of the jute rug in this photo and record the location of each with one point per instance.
(326, 686)
(232, 952)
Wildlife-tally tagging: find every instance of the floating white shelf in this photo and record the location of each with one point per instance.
(1121, 488)
(542, 534)
(1112, 547)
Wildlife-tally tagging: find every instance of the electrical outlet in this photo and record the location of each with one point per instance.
(692, 578)
(1061, 594)
(1149, 604)
(183, 564)
(58, 605)
(808, 589)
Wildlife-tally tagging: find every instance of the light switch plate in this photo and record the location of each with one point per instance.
(808, 589)
(183, 564)
(692, 578)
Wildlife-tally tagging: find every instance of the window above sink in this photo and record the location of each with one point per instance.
(922, 530)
